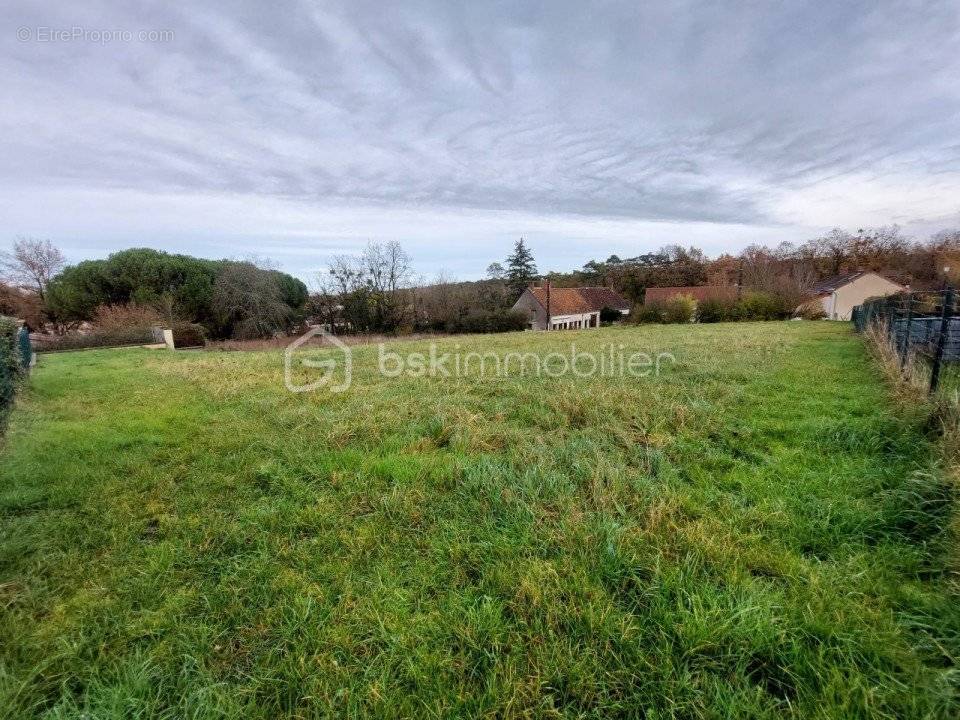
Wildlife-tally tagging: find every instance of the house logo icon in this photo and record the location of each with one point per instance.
(328, 365)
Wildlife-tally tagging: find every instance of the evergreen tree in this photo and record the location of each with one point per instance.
(521, 269)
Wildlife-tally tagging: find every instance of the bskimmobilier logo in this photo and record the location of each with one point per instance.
(449, 360)
(329, 364)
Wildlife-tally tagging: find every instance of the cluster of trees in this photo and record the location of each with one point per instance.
(482, 305)
(785, 272)
(226, 298)
(375, 291)
(367, 292)
(669, 266)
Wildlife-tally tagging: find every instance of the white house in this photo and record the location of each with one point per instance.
(550, 308)
(840, 294)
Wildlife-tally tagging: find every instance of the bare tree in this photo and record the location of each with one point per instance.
(833, 249)
(248, 300)
(325, 304)
(346, 273)
(496, 271)
(439, 302)
(32, 264)
(387, 266)
(374, 286)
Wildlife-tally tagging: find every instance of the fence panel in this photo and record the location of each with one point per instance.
(920, 326)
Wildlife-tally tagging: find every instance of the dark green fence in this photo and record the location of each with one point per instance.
(921, 326)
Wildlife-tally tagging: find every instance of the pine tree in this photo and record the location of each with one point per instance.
(521, 269)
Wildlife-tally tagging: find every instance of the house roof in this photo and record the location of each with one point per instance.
(601, 297)
(575, 301)
(697, 292)
(830, 284)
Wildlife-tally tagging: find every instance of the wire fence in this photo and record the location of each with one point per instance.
(923, 328)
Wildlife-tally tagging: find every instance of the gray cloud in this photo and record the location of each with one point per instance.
(678, 112)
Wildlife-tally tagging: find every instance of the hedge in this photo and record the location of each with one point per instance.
(12, 368)
(188, 335)
(489, 322)
(98, 338)
(680, 308)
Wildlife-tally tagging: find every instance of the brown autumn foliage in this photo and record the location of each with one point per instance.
(124, 317)
(22, 304)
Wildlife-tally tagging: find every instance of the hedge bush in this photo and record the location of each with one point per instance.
(11, 366)
(679, 309)
(762, 306)
(712, 310)
(489, 322)
(610, 315)
(651, 312)
(97, 339)
(188, 334)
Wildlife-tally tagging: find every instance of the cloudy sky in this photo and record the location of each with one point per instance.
(296, 130)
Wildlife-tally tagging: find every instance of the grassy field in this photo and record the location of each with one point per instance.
(757, 532)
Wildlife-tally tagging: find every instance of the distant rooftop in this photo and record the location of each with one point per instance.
(576, 301)
(697, 292)
(831, 284)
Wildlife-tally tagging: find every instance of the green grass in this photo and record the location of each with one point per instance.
(759, 532)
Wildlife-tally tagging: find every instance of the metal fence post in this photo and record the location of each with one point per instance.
(945, 318)
(905, 344)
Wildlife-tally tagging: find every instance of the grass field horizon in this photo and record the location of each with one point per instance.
(756, 531)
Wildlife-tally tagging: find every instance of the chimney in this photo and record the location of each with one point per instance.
(548, 304)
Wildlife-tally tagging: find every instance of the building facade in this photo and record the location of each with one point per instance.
(839, 295)
(550, 308)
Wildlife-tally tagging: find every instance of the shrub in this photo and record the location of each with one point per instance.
(188, 334)
(109, 318)
(609, 315)
(489, 322)
(679, 309)
(15, 302)
(96, 338)
(761, 306)
(811, 311)
(647, 313)
(712, 310)
(11, 368)
(113, 325)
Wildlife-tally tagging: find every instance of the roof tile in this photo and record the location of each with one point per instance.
(576, 301)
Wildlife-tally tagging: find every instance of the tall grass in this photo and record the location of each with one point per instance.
(760, 531)
(910, 382)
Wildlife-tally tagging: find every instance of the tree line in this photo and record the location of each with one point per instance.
(375, 290)
(224, 298)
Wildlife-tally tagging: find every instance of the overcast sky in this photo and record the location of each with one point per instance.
(296, 130)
